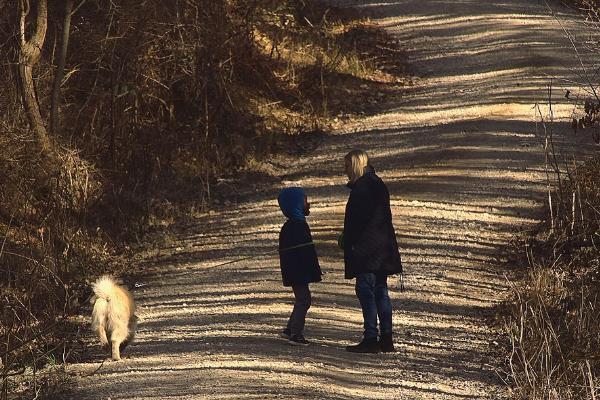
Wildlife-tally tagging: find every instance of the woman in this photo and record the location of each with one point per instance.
(370, 251)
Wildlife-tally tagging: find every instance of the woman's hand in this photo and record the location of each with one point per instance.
(341, 240)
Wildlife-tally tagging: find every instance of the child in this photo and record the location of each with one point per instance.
(299, 265)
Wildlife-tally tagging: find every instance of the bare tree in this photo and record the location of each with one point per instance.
(29, 54)
(60, 68)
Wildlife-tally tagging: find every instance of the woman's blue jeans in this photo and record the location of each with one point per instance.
(372, 293)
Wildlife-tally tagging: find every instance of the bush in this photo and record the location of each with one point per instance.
(553, 320)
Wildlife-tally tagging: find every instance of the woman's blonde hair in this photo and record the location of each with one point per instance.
(359, 160)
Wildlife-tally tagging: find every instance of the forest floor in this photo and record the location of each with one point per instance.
(463, 159)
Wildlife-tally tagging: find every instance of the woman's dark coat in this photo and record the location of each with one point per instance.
(369, 239)
(298, 266)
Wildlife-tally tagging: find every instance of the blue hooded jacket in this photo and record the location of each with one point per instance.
(299, 266)
(291, 202)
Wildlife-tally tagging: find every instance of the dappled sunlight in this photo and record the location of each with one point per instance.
(463, 161)
(413, 116)
(480, 59)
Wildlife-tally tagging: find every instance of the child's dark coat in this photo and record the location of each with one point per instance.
(298, 266)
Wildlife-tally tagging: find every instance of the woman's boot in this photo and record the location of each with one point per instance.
(386, 343)
(365, 346)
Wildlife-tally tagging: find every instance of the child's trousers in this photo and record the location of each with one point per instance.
(301, 306)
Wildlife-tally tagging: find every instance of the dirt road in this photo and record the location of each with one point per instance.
(464, 168)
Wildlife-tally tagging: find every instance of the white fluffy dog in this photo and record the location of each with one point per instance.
(113, 317)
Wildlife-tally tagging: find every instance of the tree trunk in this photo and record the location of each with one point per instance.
(30, 51)
(60, 69)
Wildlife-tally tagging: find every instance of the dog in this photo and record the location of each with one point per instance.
(113, 316)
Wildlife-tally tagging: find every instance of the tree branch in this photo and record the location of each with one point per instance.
(60, 68)
(29, 55)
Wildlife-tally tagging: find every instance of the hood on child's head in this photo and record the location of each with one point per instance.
(291, 202)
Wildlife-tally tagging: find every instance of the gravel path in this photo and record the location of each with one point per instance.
(460, 156)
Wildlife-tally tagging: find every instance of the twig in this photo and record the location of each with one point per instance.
(6, 235)
(579, 58)
(97, 369)
(23, 343)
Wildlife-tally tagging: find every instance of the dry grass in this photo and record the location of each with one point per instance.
(553, 320)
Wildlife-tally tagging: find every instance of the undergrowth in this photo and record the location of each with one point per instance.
(553, 316)
(553, 319)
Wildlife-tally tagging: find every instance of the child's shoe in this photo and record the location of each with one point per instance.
(298, 340)
(286, 333)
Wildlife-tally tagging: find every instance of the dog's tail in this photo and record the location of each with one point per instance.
(104, 289)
